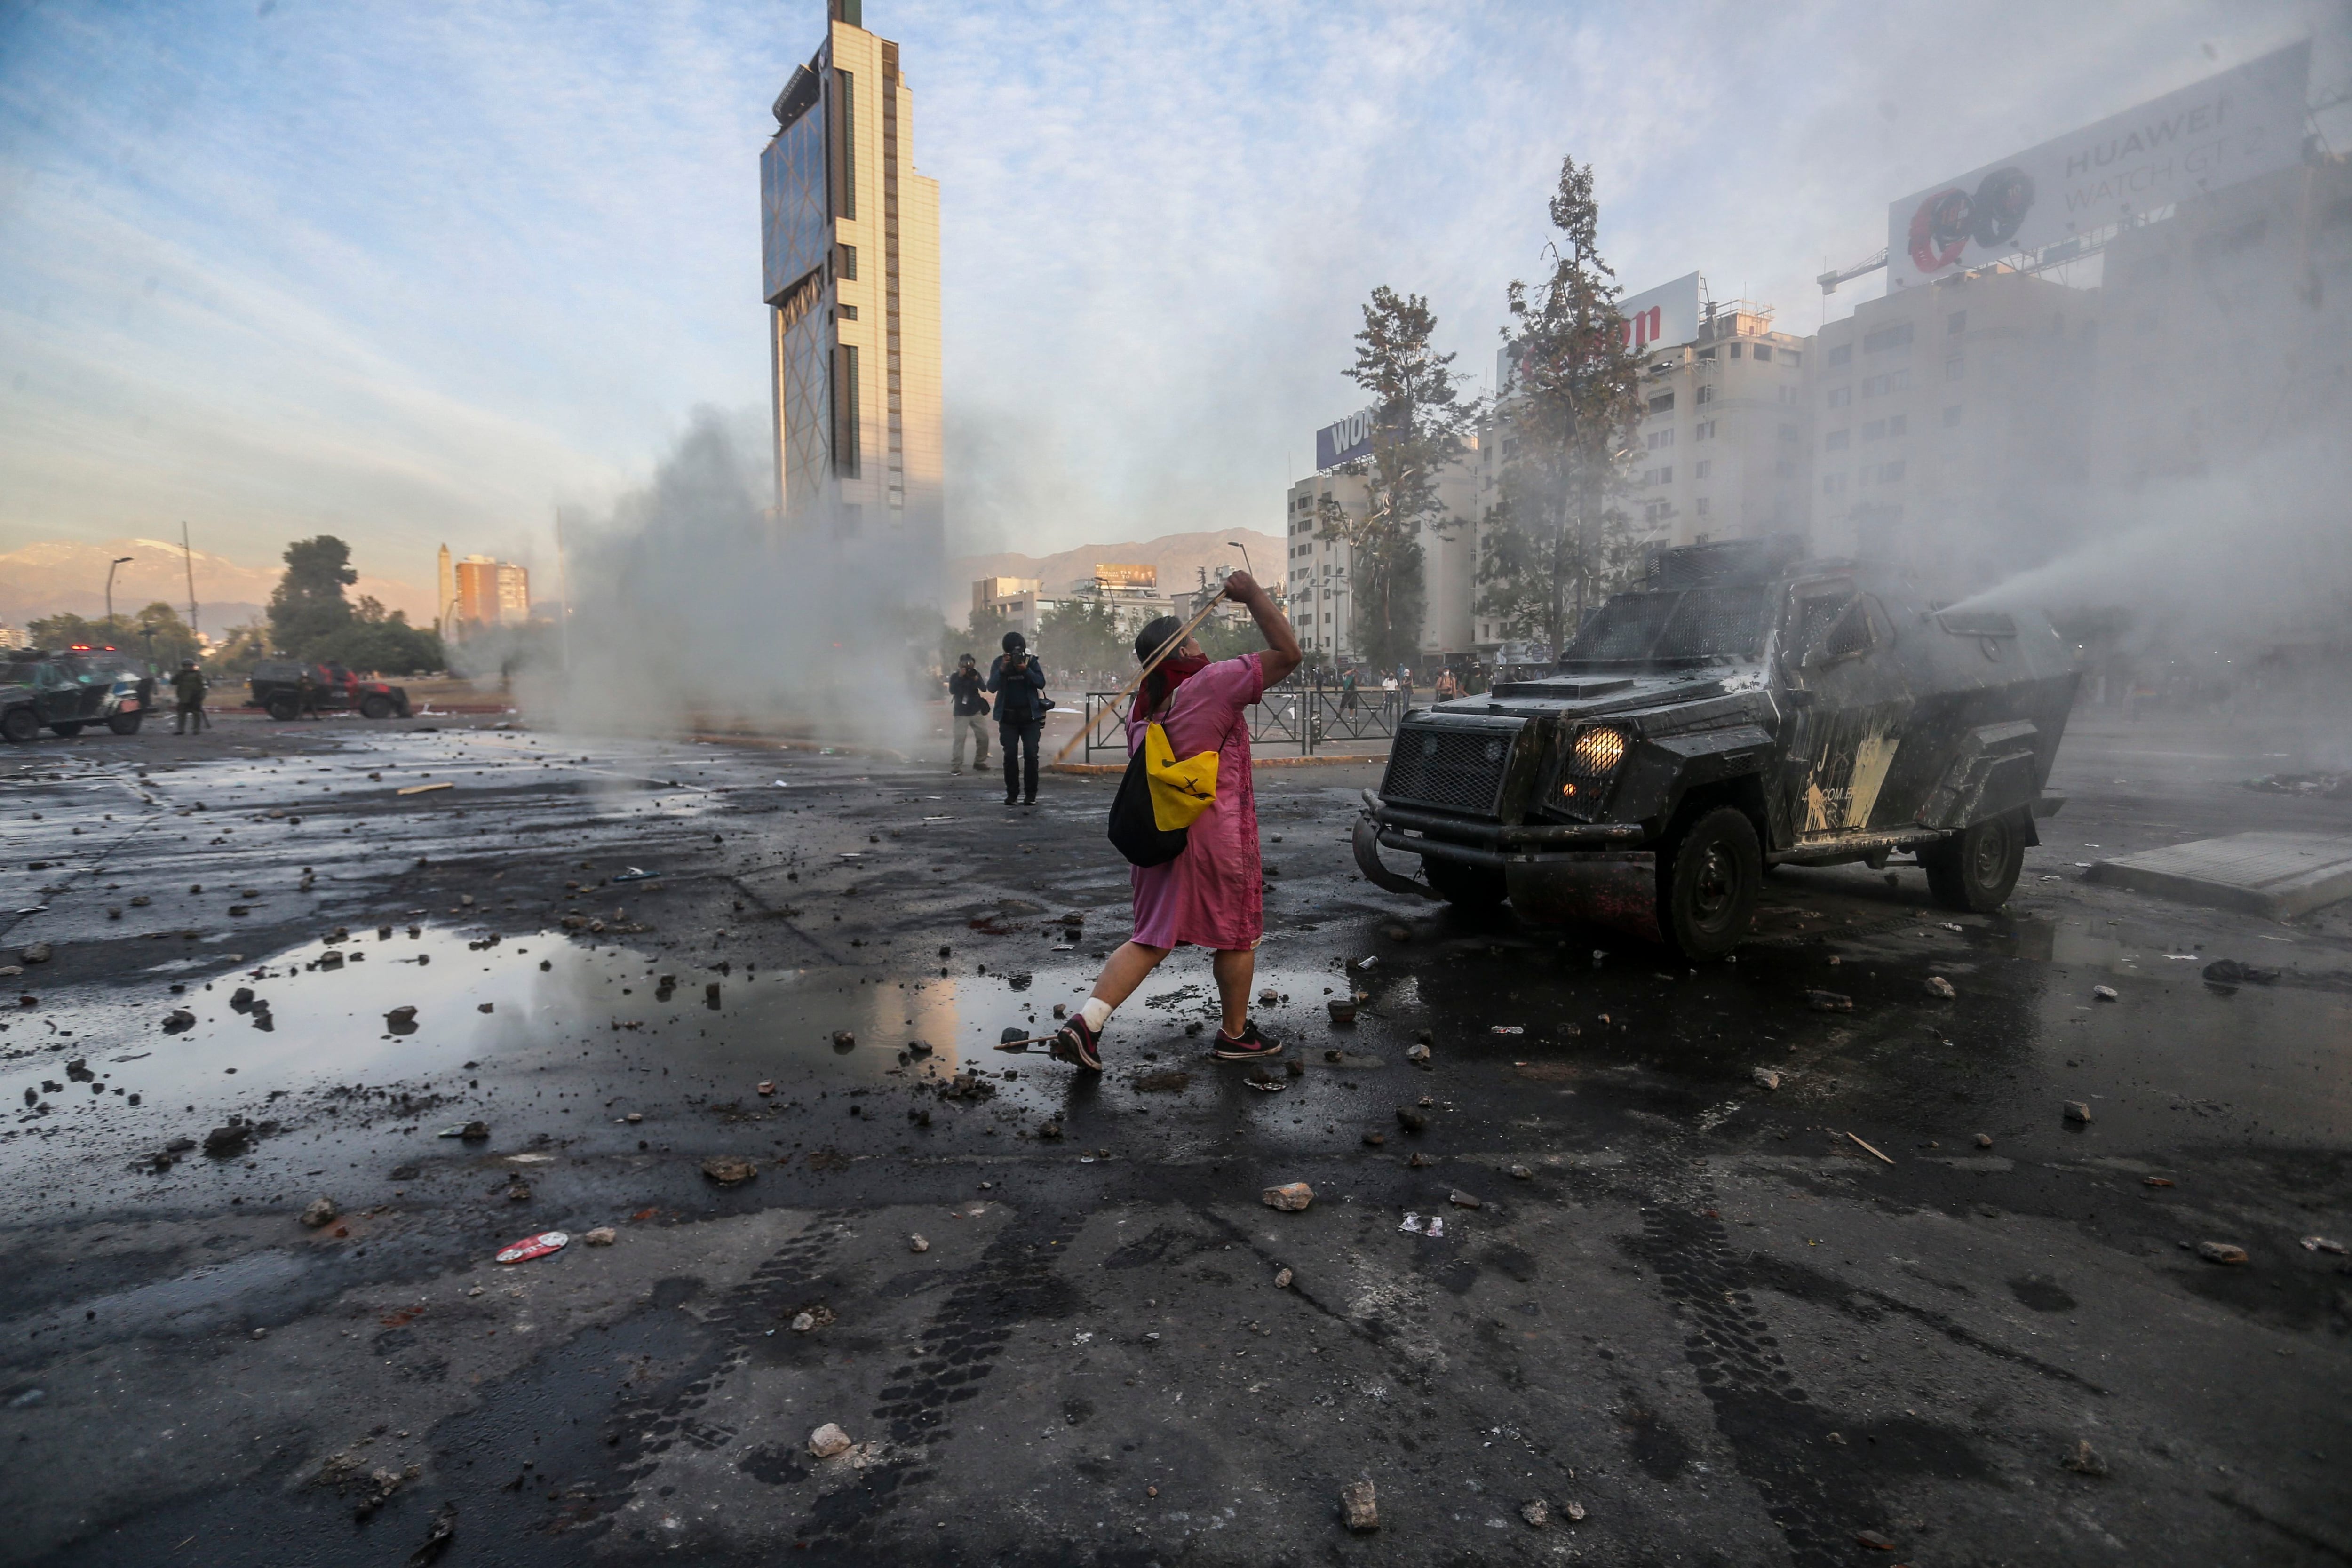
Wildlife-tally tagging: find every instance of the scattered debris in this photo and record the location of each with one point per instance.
(1874, 1151)
(764, 1087)
(1536, 1513)
(1290, 1197)
(603, 1235)
(423, 789)
(2221, 1252)
(1260, 1077)
(178, 1021)
(2230, 972)
(1766, 1078)
(545, 1243)
(812, 1319)
(842, 1039)
(1507, 1030)
(1342, 1011)
(1433, 1226)
(916, 1243)
(1873, 1540)
(1828, 1002)
(1269, 998)
(2077, 1111)
(1375, 1139)
(2322, 1244)
(2156, 1181)
(518, 1191)
(1938, 987)
(1521, 1174)
(730, 1170)
(348, 1474)
(1984, 1140)
(1420, 1162)
(828, 1440)
(1282, 1278)
(1360, 1507)
(37, 954)
(320, 1211)
(1462, 1200)
(2103, 992)
(1575, 1511)
(1417, 1054)
(436, 1539)
(2084, 1460)
(1412, 1120)
(223, 1142)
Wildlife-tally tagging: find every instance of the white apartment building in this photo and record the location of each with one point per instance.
(1320, 578)
(1725, 444)
(1952, 422)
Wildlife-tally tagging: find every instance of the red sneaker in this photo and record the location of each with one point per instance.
(1250, 1047)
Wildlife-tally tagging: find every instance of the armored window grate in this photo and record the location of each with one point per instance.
(1451, 770)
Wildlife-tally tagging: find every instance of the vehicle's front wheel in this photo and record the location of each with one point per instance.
(1464, 887)
(19, 725)
(285, 710)
(376, 707)
(67, 731)
(1976, 868)
(1708, 882)
(125, 723)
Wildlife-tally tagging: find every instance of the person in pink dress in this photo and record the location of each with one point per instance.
(1212, 895)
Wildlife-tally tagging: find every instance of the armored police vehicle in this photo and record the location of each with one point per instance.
(1741, 708)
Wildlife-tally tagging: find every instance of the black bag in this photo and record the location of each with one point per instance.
(1135, 831)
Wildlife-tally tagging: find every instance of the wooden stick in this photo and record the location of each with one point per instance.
(1867, 1146)
(1170, 646)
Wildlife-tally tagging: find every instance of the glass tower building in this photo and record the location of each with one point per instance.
(850, 254)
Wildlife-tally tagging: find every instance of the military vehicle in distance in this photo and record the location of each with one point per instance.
(67, 690)
(276, 686)
(1741, 708)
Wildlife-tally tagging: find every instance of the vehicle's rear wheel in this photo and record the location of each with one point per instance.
(125, 723)
(376, 707)
(1465, 887)
(1708, 882)
(285, 710)
(67, 731)
(1976, 868)
(19, 725)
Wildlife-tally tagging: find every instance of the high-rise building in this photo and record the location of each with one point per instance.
(850, 250)
(1951, 424)
(446, 596)
(489, 593)
(1320, 573)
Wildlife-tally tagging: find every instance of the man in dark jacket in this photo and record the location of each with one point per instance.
(1019, 686)
(188, 694)
(970, 715)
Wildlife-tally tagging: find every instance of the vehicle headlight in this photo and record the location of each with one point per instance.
(1597, 752)
(1585, 774)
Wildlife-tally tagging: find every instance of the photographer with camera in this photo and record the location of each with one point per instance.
(1019, 683)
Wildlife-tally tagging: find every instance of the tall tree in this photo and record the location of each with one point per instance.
(1558, 536)
(1419, 425)
(308, 605)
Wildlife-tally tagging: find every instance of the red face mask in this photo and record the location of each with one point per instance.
(1165, 678)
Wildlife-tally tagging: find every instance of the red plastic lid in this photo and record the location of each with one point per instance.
(530, 1247)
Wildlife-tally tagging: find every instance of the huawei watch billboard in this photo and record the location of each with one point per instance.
(2234, 126)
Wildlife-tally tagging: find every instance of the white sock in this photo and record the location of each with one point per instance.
(1096, 1013)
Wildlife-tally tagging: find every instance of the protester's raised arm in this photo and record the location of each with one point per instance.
(1281, 656)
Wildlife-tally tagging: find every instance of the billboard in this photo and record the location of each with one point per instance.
(1668, 313)
(1344, 442)
(2230, 127)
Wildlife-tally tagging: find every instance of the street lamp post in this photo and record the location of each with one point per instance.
(118, 560)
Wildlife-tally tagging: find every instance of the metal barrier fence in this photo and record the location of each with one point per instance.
(1289, 717)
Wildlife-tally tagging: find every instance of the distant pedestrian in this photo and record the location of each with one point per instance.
(1211, 894)
(1348, 691)
(969, 716)
(1388, 696)
(1019, 685)
(188, 696)
(307, 689)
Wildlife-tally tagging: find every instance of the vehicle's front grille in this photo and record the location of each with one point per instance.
(1451, 770)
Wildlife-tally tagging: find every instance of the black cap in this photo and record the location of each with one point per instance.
(1014, 642)
(963, 658)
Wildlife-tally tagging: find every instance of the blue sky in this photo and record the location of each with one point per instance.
(414, 272)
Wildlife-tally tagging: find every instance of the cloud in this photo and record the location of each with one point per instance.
(425, 273)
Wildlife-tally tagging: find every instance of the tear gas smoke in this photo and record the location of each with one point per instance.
(693, 609)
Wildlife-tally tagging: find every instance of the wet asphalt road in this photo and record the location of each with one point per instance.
(1704, 1315)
